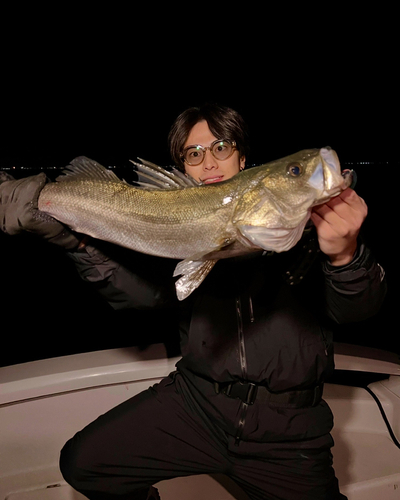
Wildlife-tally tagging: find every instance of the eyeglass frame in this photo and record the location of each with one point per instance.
(204, 150)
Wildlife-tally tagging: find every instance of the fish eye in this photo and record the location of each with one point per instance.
(295, 169)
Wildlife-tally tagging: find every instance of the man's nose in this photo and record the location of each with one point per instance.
(209, 161)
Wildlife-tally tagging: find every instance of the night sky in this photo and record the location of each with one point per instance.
(51, 124)
(115, 98)
(113, 108)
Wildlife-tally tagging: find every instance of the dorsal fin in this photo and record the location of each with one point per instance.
(85, 168)
(152, 176)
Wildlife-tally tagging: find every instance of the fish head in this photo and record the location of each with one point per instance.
(276, 203)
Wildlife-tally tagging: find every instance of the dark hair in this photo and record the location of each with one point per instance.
(224, 123)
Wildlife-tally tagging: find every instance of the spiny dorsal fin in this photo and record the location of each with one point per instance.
(85, 168)
(152, 176)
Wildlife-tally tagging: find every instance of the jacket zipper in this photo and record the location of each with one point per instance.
(242, 349)
(242, 421)
(324, 339)
(243, 363)
(251, 310)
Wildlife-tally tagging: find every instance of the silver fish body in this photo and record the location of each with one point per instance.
(265, 207)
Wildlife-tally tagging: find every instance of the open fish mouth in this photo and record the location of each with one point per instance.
(328, 177)
(349, 180)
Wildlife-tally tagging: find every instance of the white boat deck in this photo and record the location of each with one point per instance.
(38, 414)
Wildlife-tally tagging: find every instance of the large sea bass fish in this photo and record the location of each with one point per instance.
(170, 215)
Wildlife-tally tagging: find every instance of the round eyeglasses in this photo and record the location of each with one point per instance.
(220, 149)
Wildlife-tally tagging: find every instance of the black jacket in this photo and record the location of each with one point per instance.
(264, 318)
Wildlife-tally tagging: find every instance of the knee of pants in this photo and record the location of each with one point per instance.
(71, 465)
(77, 465)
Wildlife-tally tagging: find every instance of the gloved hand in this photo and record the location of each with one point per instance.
(19, 211)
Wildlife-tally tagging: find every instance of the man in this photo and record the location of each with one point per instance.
(256, 346)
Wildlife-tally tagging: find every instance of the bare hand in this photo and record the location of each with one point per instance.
(338, 223)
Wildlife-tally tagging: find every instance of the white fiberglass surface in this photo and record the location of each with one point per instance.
(44, 403)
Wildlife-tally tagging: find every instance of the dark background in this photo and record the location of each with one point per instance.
(111, 92)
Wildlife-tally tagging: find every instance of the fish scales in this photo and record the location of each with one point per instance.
(162, 223)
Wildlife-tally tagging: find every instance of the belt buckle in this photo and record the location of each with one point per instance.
(251, 394)
(245, 391)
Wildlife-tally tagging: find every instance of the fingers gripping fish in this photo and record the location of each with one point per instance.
(170, 215)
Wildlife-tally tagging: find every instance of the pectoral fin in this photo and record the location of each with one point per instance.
(196, 268)
(193, 273)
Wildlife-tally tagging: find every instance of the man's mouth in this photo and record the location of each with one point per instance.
(211, 180)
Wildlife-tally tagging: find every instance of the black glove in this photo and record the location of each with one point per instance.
(19, 211)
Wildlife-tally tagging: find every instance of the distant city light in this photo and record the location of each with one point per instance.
(129, 167)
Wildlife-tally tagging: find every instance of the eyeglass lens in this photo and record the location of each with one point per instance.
(221, 150)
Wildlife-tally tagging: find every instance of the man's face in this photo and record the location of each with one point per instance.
(211, 170)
